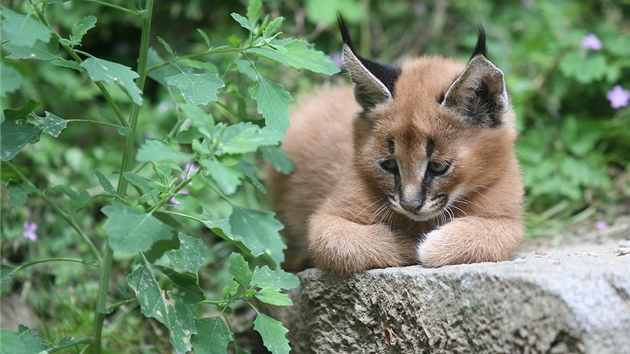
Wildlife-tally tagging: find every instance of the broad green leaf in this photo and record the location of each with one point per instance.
(245, 67)
(197, 88)
(199, 119)
(70, 64)
(273, 334)
(22, 111)
(15, 134)
(279, 159)
(156, 151)
(52, 124)
(168, 307)
(272, 101)
(138, 181)
(240, 269)
(243, 22)
(249, 171)
(253, 11)
(23, 342)
(22, 30)
(213, 336)
(162, 73)
(186, 282)
(6, 276)
(230, 290)
(258, 230)
(191, 254)
(123, 131)
(246, 137)
(300, 55)
(40, 51)
(274, 279)
(105, 183)
(110, 72)
(10, 78)
(131, 231)
(269, 53)
(227, 178)
(17, 195)
(585, 70)
(273, 297)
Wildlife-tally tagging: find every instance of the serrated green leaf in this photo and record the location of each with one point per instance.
(168, 307)
(162, 73)
(105, 183)
(300, 55)
(274, 279)
(6, 276)
(131, 231)
(156, 151)
(268, 53)
(272, 101)
(17, 195)
(110, 72)
(23, 342)
(240, 269)
(213, 336)
(191, 254)
(15, 134)
(273, 333)
(279, 159)
(39, 51)
(81, 28)
(197, 88)
(52, 124)
(22, 111)
(273, 297)
(258, 230)
(11, 79)
(243, 22)
(246, 137)
(227, 178)
(22, 30)
(199, 119)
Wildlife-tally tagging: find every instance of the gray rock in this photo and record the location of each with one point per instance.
(570, 301)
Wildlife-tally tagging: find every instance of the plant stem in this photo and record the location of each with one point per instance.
(222, 49)
(75, 342)
(121, 191)
(46, 260)
(57, 209)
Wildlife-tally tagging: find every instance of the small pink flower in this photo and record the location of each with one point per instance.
(29, 231)
(618, 97)
(591, 42)
(182, 191)
(601, 225)
(189, 169)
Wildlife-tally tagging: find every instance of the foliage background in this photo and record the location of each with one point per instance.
(574, 147)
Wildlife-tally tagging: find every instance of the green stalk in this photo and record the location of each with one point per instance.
(121, 191)
(57, 209)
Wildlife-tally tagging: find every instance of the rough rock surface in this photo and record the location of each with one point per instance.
(574, 300)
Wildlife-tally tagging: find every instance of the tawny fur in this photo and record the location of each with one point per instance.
(334, 205)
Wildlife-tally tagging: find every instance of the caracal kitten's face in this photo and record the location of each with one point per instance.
(424, 161)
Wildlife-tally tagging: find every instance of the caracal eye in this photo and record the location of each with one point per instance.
(390, 166)
(438, 168)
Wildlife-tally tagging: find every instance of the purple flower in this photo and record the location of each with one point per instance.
(181, 191)
(601, 225)
(618, 97)
(591, 42)
(337, 58)
(29, 231)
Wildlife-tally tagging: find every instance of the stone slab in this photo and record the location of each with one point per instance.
(575, 300)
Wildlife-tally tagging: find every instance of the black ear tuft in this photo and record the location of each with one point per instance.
(385, 74)
(480, 48)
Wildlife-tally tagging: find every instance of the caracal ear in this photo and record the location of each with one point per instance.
(374, 82)
(479, 94)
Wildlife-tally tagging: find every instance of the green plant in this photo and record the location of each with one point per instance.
(179, 183)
